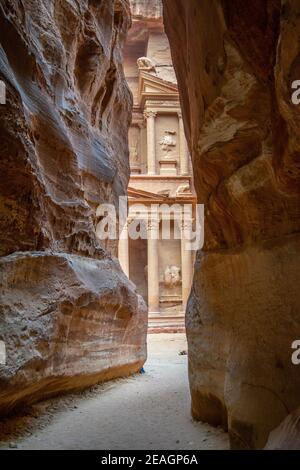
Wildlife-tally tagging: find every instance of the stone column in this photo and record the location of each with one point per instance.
(183, 151)
(153, 267)
(124, 250)
(151, 157)
(186, 261)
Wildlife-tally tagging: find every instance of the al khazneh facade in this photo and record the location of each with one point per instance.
(160, 173)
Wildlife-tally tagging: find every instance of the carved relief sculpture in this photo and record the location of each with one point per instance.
(183, 189)
(168, 141)
(134, 155)
(172, 276)
(144, 63)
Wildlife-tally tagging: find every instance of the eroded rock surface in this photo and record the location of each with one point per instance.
(287, 435)
(68, 315)
(235, 63)
(68, 321)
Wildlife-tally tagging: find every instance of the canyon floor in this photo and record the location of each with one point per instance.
(146, 411)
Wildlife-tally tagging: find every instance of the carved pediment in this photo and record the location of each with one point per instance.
(141, 194)
(154, 88)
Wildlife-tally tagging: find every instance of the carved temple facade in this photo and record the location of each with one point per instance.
(160, 177)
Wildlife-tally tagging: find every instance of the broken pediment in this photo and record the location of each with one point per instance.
(153, 87)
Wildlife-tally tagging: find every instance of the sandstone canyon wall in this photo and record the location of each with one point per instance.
(235, 63)
(68, 315)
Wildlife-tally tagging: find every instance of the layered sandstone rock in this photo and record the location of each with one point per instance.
(235, 64)
(68, 315)
(68, 321)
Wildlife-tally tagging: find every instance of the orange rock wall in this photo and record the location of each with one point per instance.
(235, 63)
(68, 315)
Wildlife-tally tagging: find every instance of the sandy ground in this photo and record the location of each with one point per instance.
(146, 411)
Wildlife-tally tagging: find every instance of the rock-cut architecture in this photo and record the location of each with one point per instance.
(161, 173)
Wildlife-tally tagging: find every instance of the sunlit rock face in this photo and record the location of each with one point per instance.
(235, 64)
(68, 315)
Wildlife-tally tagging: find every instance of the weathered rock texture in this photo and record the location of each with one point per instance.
(68, 315)
(287, 435)
(235, 63)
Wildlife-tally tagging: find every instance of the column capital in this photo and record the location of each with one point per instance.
(150, 114)
(179, 114)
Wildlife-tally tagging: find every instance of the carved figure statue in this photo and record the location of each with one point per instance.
(168, 141)
(144, 63)
(134, 156)
(146, 272)
(183, 189)
(172, 276)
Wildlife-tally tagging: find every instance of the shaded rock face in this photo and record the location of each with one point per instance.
(235, 63)
(68, 315)
(64, 128)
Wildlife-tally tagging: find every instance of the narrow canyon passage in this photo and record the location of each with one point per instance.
(117, 116)
(145, 411)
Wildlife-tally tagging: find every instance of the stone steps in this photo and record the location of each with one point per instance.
(164, 323)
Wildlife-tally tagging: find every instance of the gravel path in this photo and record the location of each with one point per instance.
(147, 411)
